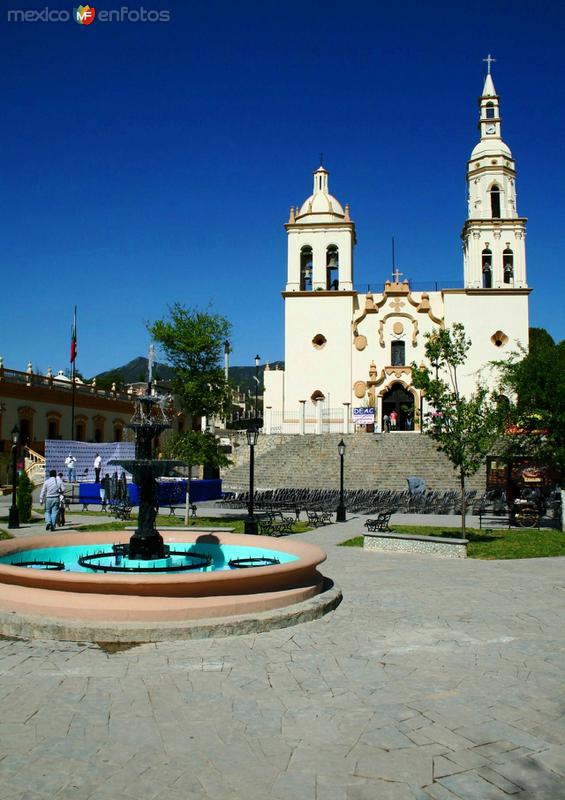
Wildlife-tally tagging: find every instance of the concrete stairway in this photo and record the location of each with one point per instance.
(381, 461)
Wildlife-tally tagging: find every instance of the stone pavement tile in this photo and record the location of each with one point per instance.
(511, 755)
(443, 766)
(493, 749)
(438, 792)
(551, 731)
(331, 759)
(496, 778)
(336, 787)
(493, 731)
(387, 738)
(380, 790)
(408, 765)
(469, 786)
(553, 758)
(295, 786)
(171, 793)
(531, 776)
(468, 759)
(437, 733)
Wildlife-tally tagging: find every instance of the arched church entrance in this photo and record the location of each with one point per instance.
(400, 400)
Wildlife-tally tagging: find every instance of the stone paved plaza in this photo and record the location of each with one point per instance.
(434, 679)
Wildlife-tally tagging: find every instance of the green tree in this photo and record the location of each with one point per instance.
(24, 496)
(464, 428)
(193, 342)
(195, 447)
(535, 382)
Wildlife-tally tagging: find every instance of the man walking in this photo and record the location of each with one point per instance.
(50, 496)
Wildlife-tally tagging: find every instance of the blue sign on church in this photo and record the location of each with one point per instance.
(364, 416)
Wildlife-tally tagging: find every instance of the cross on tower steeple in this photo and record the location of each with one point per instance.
(396, 275)
(489, 59)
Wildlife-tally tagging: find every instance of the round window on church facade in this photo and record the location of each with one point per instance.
(319, 341)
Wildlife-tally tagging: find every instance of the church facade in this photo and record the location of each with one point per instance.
(347, 350)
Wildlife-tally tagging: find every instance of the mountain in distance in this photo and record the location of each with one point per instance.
(135, 371)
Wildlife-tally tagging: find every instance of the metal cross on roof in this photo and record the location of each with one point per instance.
(396, 275)
(489, 59)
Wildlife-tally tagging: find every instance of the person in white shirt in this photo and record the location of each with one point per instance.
(97, 468)
(49, 496)
(70, 463)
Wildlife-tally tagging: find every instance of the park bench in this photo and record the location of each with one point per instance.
(276, 524)
(318, 518)
(181, 506)
(380, 523)
(120, 509)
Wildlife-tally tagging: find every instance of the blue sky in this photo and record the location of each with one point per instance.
(144, 164)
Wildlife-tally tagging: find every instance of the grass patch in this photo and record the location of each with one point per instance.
(5, 535)
(491, 544)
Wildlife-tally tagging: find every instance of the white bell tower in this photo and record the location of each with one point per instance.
(493, 235)
(321, 237)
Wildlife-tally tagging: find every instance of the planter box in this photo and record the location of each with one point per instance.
(412, 543)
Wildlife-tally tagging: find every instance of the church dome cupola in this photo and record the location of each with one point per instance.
(321, 237)
(321, 206)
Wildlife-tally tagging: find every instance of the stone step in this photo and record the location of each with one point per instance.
(381, 461)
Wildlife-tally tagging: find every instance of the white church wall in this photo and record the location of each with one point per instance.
(273, 382)
(310, 368)
(484, 315)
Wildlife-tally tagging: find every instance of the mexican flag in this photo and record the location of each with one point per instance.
(74, 338)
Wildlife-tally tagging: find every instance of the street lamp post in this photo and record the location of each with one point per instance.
(14, 514)
(257, 362)
(250, 524)
(340, 515)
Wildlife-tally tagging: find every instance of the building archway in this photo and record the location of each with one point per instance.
(399, 399)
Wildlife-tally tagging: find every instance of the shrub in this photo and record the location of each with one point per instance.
(24, 497)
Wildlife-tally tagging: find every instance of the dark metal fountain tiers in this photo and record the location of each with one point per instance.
(149, 421)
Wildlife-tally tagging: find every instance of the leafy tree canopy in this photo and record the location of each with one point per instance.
(536, 382)
(465, 428)
(193, 342)
(195, 447)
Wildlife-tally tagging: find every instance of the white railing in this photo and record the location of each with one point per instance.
(308, 420)
(34, 465)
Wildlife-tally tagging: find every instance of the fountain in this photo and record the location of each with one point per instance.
(145, 587)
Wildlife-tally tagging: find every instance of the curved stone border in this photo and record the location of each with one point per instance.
(28, 627)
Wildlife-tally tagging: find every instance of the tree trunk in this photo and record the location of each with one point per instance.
(463, 505)
(187, 498)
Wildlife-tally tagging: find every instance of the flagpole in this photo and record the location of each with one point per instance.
(73, 359)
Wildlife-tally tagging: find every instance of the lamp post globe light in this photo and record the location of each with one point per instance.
(14, 514)
(340, 515)
(250, 525)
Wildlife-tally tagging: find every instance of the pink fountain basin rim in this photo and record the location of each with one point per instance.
(298, 574)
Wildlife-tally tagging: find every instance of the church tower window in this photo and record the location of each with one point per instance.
(306, 269)
(487, 268)
(508, 265)
(495, 202)
(397, 354)
(332, 268)
(489, 111)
